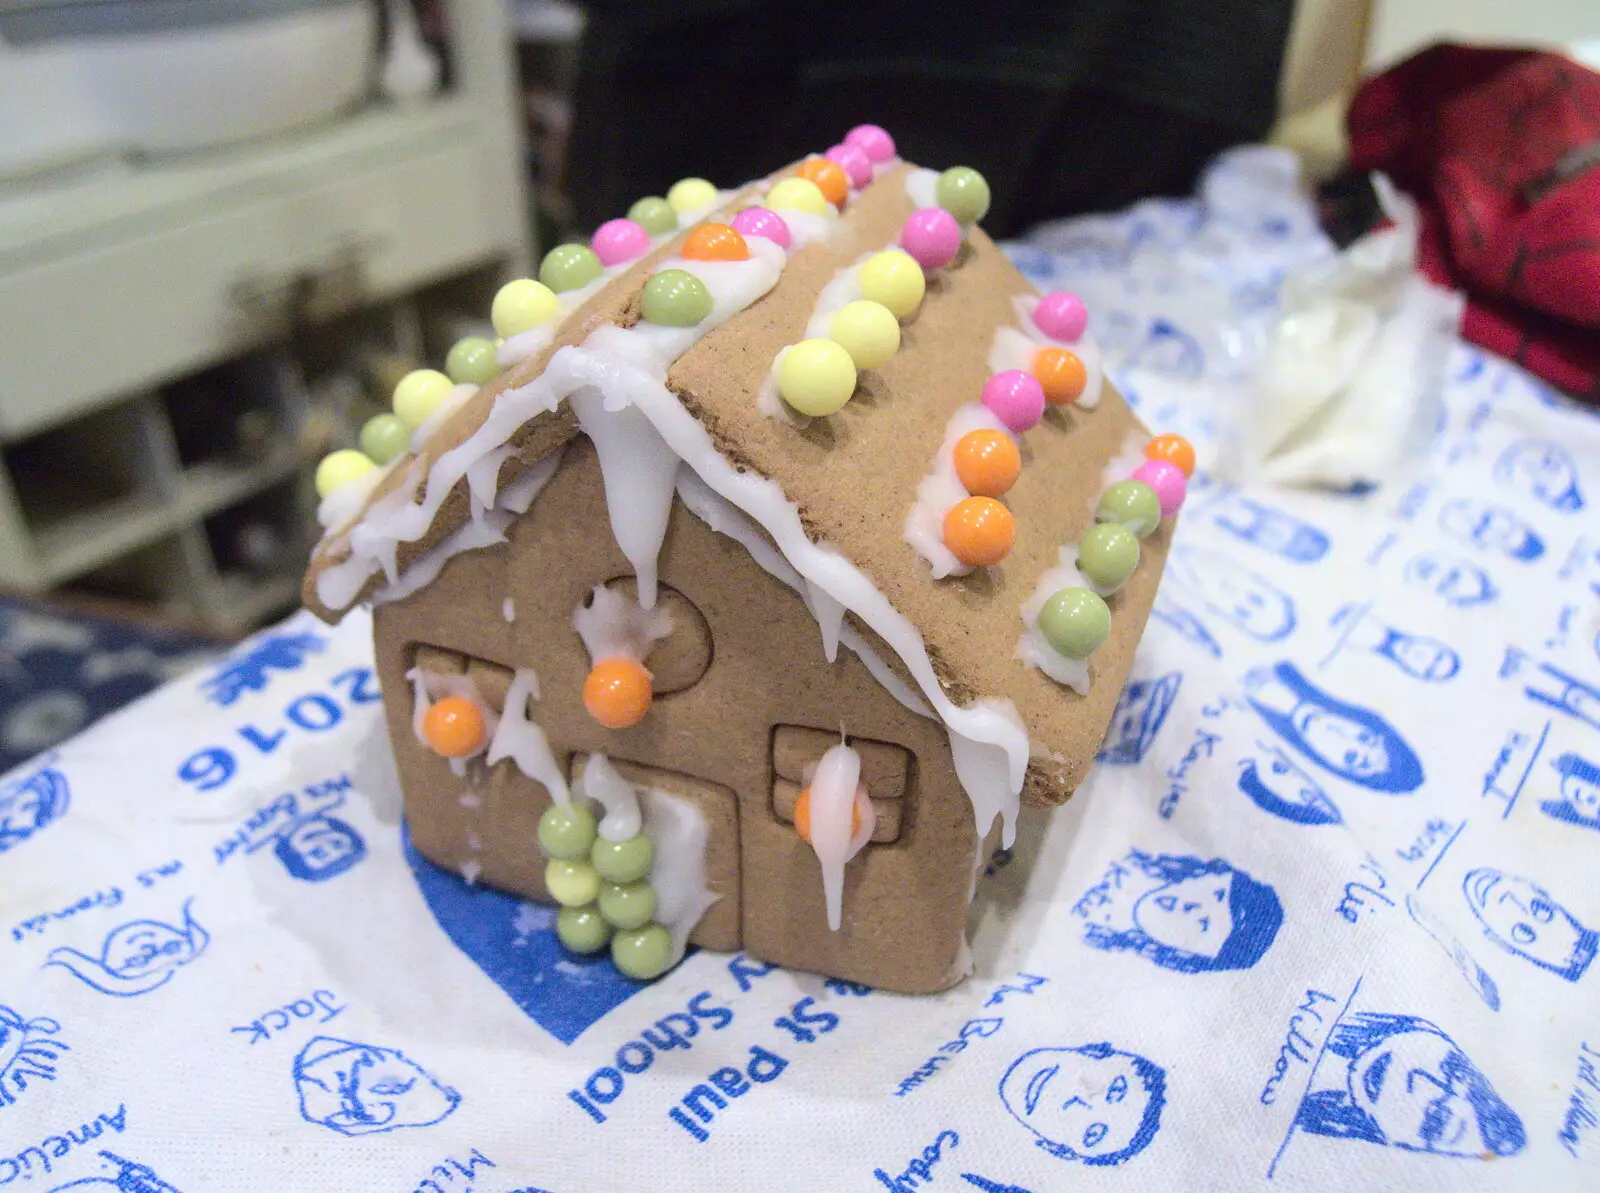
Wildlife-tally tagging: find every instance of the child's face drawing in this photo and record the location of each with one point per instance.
(1524, 917)
(1289, 782)
(1193, 914)
(22, 814)
(1487, 527)
(1582, 794)
(147, 948)
(1092, 1105)
(1347, 745)
(1541, 470)
(1452, 580)
(322, 844)
(1414, 1085)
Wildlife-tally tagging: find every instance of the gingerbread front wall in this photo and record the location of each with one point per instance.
(733, 740)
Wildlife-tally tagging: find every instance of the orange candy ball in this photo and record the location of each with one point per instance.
(830, 178)
(454, 727)
(1061, 374)
(617, 692)
(802, 816)
(979, 531)
(987, 462)
(1174, 449)
(715, 242)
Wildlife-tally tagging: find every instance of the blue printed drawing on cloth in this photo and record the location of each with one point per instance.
(514, 942)
(252, 670)
(1200, 579)
(1523, 918)
(1454, 580)
(1091, 1103)
(130, 1177)
(1544, 471)
(1427, 659)
(311, 845)
(1270, 530)
(1399, 1081)
(1169, 350)
(1183, 913)
(360, 1089)
(1277, 784)
(1352, 742)
(1576, 698)
(1476, 976)
(138, 957)
(1579, 801)
(1141, 711)
(1490, 528)
(29, 1049)
(32, 803)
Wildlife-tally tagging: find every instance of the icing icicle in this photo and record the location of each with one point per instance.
(616, 795)
(612, 626)
(521, 739)
(841, 821)
(679, 874)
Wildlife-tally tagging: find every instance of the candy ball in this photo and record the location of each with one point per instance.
(1168, 481)
(567, 832)
(453, 726)
(623, 861)
(691, 195)
(674, 298)
(628, 905)
(1061, 316)
(1108, 555)
(1174, 449)
(643, 954)
(987, 462)
(1061, 373)
(856, 164)
(1132, 503)
(1015, 398)
(617, 692)
(765, 223)
(419, 394)
(569, 267)
(582, 929)
(873, 141)
(894, 279)
(616, 241)
(1075, 622)
(868, 331)
(471, 361)
(798, 194)
(979, 531)
(830, 178)
(654, 214)
(816, 377)
(714, 242)
(385, 438)
(802, 816)
(340, 468)
(522, 305)
(964, 193)
(931, 236)
(571, 884)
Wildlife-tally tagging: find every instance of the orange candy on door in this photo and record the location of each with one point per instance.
(454, 727)
(802, 816)
(829, 177)
(715, 242)
(617, 692)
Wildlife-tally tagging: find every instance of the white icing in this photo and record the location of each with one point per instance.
(616, 795)
(345, 502)
(835, 790)
(770, 402)
(513, 350)
(807, 227)
(483, 480)
(1032, 647)
(678, 831)
(922, 187)
(941, 488)
(842, 289)
(452, 401)
(429, 686)
(1014, 349)
(522, 740)
(508, 610)
(830, 618)
(879, 169)
(470, 870)
(612, 626)
(1120, 466)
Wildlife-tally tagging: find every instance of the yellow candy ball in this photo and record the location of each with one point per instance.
(418, 395)
(340, 468)
(798, 194)
(522, 305)
(868, 331)
(894, 279)
(691, 194)
(572, 884)
(816, 377)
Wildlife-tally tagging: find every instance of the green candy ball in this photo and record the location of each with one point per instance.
(1108, 554)
(471, 361)
(675, 298)
(964, 193)
(643, 954)
(1133, 503)
(628, 906)
(655, 215)
(569, 267)
(623, 861)
(572, 884)
(385, 438)
(1076, 622)
(582, 929)
(566, 832)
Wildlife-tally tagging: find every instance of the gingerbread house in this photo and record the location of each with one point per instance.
(741, 592)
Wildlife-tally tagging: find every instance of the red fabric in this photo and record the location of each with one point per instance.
(1502, 150)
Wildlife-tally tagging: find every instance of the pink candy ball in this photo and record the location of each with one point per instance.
(932, 236)
(1061, 316)
(1167, 480)
(1016, 399)
(873, 141)
(854, 161)
(616, 241)
(759, 221)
